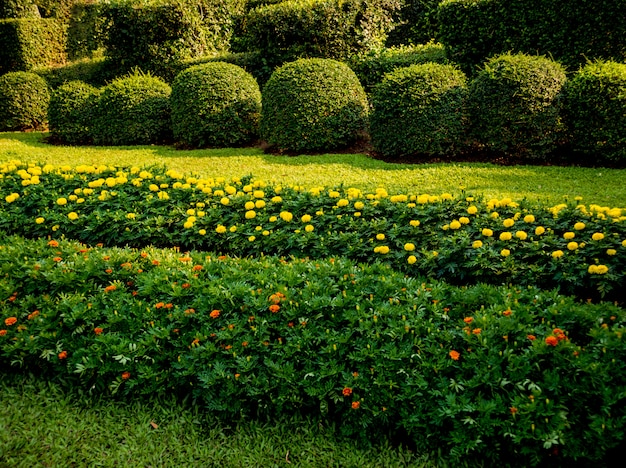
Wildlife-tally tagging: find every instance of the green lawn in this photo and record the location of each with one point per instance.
(549, 184)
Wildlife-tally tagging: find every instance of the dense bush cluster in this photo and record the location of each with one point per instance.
(215, 104)
(419, 109)
(24, 99)
(312, 105)
(72, 112)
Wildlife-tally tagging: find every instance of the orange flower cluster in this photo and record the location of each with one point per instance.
(3, 332)
(185, 285)
(507, 312)
(110, 288)
(10, 321)
(557, 335)
(277, 297)
(125, 375)
(33, 314)
(356, 405)
(455, 355)
(274, 308)
(53, 243)
(98, 330)
(214, 314)
(197, 267)
(62, 355)
(347, 391)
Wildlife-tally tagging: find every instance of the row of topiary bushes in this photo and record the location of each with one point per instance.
(454, 370)
(580, 249)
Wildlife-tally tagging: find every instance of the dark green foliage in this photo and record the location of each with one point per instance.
(24, 99)
(316, 28)
(571, 32)
(215, 104)
(513, 105)
(595, 112)
(371, 66)
(96, 72)
(83, 32)
(30, 43)
(19, 9)
(133, 110)
(419, 109)
(313, 105)
(71, 112)
(418, 23)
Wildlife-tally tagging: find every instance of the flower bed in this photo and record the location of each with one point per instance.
(458, 369)
(580, 249)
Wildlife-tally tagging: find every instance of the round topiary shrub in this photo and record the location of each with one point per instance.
(419, 109)
(313, 105)
(513, 106)
(24, 99)
(72, 111)
(133, 110)
(594, 112)
(215, 104)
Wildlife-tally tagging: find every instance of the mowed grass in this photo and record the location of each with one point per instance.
(42, 426)
(547, 184)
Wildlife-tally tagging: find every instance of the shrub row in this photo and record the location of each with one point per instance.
(580, 249)
(456, 369)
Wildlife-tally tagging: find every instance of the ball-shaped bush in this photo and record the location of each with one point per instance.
(215, 104)
(133, 110)
(72, 111)
(24, 99)
(419, 109)
(313, 105)
(514, 107)
(594, 111)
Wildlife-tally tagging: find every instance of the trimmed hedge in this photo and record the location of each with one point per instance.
(419, 109)
(83, 32)
(96, 72)
(572, 32)
(133, 110)
(313, 105)
(24, 99)
(335, 29)
(71, 112)
(594, 111)
(15, 9)
(30, 43)
(370, 67)
(456, 370)
(513, 105)
(215, 104)
(418, 23)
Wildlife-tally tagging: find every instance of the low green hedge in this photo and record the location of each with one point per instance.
(24, 99)
(580, 249)
(71, 112)
(458, 370)
(419, 110)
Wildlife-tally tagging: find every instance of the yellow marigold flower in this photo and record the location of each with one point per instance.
(569, 235)
(357, 214)
(343, 202)
(233, 229)
(472, 210)
(602, 269)
(487, 232)
(163, 196)
(258, 228)
(455, 225)
(579, 226)
(259, 204)
(435, 253)
(416, 223)
(247, 188)
(305, 218)
(505, 252)
(230, 190)
(309, 228)
(572, 245)
(251, 238)
(131, 215)
(446, 196)
(286, 216)
(250, 214)
(380, 237)
(188, 224)
(72, 216)
(273, 219)
(276, 199)
(611, 252)
(464, 220)
(61, 201)
(445, 227)
(409, 247)
(540, 230)
(153, 187)
(529, 219)
(505, 236)
(40, 220)
(423, 199)
(72, 197)
(359, 205)
(202, 232)
(477, 244)
(217, 193)
(557, 254)
(266, 233)
(333, 194)
(593, 269)
(191, 212)
(258, 194)
(494, 215)
(597, 236)
(249, 205)
(508, 222)
(411, 260)
(521, 235)
(220, 229)
(383, 249)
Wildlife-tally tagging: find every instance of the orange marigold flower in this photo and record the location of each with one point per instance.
(513, 409)
(10, 321)
(197, 267)
(108, 270)
(184, 259)
(33, 314)
(169, 305)
(98, 330)
(455, 355)
(158, 305)
(290, 324)
(531, 337)
(274, 308)
(106, 257)
(355, 374)
(214, 314)
(552, 340)
(185, 285)
(356, 405)
(144, 254)
(190, 311)
(62, 355)
(476, 331)
(3, 332)
(57, 259)
(244, 344)
(110, 288)
(125, 375)
(53, 243)
(507, 312)
(347, 391)
(155, 262)
(468, 319)
(237, 376)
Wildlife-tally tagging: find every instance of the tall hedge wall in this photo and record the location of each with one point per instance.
(29, 43)
(570, 32)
